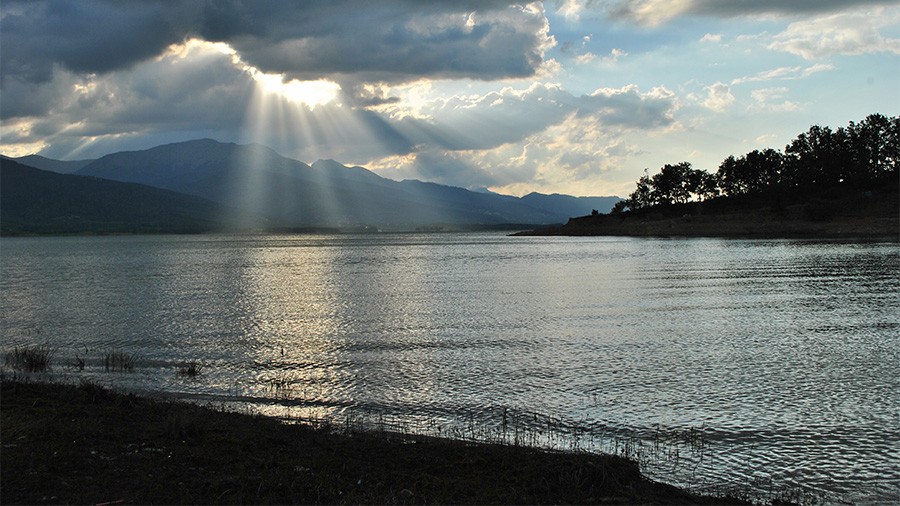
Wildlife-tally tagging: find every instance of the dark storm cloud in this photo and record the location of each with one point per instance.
(655, 11)
(392, 40)
(84, 37)
(741, 7)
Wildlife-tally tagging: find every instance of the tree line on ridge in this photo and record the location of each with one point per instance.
(859, 157)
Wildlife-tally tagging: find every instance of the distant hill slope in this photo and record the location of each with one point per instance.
(59, 166)
(34, 201)
(569, 205)
(291, 193)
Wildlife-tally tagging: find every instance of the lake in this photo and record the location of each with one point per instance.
(764, 366)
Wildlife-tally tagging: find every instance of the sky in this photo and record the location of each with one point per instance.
(566, 96)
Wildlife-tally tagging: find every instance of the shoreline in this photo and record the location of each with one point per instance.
(869, 219)
(87, 444)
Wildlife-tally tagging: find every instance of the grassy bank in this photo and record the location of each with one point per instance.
(86, 444)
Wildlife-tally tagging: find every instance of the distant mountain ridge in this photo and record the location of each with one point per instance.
(58, 166)
(34, 201)
(288, 192)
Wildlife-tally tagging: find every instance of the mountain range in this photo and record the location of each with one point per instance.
(253, 186)
(34, 201)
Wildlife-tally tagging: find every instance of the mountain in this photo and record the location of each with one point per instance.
(291, 193)
(569, 205)
(34, 201)
(59, 166)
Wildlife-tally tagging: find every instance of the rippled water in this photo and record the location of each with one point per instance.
(717, 363)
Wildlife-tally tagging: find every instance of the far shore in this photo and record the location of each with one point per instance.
(872, 218)
(87, 444)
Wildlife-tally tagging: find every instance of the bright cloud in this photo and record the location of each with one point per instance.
(846, 33)
(718, 97)
(785, 73)
(772, 99)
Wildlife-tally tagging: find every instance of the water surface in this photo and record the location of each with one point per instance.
(751, 363)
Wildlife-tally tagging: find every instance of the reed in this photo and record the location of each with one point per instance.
(118, 361)
(30, 358)
(190, 369)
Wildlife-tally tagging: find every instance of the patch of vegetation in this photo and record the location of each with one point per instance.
(118, 361)
(191, 369)
(30, 358)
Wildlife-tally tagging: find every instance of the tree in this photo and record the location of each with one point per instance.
(672, 184)
(643, 195)
(818, 159)
(875, 145)
(703, 185)
(754, 172)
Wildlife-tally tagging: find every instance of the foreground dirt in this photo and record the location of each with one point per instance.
(85, 444)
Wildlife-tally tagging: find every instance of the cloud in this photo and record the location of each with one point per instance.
(850, 33)
(656, 12)
(772, 99)
(718, 97)
(187, 93)
(614, 55)
(628, 107)
(81, 36)
(570, 9)
(712, 37)
(649, 12)
(785, 73)
(487, 121)
(400, 40)
(585, 58)
(554, 141)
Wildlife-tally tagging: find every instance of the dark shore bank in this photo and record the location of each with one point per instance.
(86, 444)
(863, 216)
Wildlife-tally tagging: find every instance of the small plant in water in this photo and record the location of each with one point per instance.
(192, 369)
(30, 358)
(118, 361)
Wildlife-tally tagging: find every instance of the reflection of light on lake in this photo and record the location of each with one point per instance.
(296, 345)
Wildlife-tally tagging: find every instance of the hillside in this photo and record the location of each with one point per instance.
(34, 201)
(854, 215)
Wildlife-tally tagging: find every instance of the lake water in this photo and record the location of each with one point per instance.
(760, 365)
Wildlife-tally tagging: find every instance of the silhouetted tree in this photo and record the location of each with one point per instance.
(703, 185)
(752, 173)
(875, 143)
(643, 195)
(672, 184)
(863, 155)
(818, 159)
